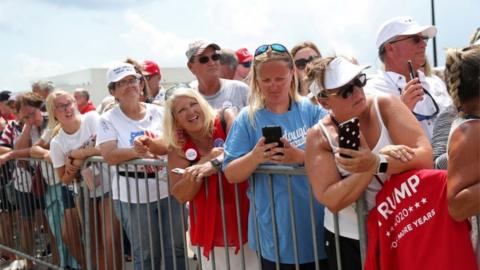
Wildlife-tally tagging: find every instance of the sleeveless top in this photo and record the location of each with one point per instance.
(206, 227)
(347, 217)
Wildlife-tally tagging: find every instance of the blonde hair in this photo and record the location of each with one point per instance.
(256, 99)
(462, 74)
(315, 72)
(53, 123)
(171, 129)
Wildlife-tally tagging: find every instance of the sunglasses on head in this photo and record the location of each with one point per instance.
(204, 59)
(302, 62)
(416, 39)
(347, 90)
(279, 48)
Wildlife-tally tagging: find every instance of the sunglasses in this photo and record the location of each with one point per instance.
(205, 59)
(246, 64)
(347, 90)
(301, 63)
(421, 117)
(279, 48)
(416, 39)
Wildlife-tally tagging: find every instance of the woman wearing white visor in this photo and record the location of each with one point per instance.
(391, 141)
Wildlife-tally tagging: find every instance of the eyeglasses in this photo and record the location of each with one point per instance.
(347, 90)
(63, 107)
(246, 64)
(279, 48)
(421, 117)
(205, 59)
(301, 63)
(416, 39)
(122, 84)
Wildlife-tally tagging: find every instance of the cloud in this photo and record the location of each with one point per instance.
(98, 4)
(143, 36)
(28, 68)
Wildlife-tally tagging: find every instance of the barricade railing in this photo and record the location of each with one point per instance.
(122, 217)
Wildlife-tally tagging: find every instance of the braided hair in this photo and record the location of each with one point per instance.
(462, 74)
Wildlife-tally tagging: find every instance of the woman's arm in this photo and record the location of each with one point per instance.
(404, 129)
(114, 155)
(67, 172)
(85, 153)
(328, 187)
(184, 188)
(463, 185)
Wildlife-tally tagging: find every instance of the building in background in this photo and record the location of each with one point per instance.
(94, 80)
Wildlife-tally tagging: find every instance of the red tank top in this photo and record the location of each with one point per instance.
(410, 227)
(206, 227)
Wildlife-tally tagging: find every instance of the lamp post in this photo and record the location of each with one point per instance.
(434, 38)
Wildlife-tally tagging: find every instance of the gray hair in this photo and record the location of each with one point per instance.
(44, 85)
(84, 92)
(228, 57)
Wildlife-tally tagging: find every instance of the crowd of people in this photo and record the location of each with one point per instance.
(377, 137)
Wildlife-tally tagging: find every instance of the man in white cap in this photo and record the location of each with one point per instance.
(203, 62)
(400, 40)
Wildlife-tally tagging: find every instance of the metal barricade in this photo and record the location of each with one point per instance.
(133, 223)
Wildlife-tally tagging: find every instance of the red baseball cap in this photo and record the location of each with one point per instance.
(243, 55)
(150, 67)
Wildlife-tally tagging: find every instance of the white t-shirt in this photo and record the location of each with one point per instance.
(62, 144)
(116, 126)
(391, 83)
(232, 94)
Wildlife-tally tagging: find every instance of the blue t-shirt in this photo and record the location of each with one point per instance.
(241, 139)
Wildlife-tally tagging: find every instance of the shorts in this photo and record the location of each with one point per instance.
(68, 198)
(27, 203)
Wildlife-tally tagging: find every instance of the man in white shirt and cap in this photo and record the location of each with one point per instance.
(399, 41)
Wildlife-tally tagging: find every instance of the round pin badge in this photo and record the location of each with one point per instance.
(218, 142)
(191, 154)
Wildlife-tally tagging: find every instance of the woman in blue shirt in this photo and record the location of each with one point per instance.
(274, 101)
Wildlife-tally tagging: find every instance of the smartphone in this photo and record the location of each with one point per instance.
(272, 134)
(411, 70)
(178, 171)
(349, 135)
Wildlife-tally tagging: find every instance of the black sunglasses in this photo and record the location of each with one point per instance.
(276, 47)
(204, 59)
(421, 117)
(416, 39)
(347, 90)
(301, 63)
(246, 64)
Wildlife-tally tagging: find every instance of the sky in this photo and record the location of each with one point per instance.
(42, 38)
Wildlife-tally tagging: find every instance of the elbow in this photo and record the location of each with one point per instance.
(455, 212)
(181, 197)
(332, 205)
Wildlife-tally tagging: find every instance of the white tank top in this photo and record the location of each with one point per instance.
(347, 217)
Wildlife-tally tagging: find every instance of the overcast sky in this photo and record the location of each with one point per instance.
(42, 38)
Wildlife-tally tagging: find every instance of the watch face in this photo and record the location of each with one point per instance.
(383, 167)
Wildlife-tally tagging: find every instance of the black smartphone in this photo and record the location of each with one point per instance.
(273, 134)
(349, 135)
(411, 70)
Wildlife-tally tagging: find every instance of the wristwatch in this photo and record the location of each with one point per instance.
(217, 164)
(382, 164)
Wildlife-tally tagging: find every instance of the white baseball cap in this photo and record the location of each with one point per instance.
(339, 72)
(402, 26)
(120, 71)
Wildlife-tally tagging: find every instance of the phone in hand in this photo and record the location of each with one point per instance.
(349, 135)
(411, 70)
(272, 134)
(179, 171)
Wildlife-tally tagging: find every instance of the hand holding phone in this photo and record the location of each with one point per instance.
(272, 134)
(349, 135)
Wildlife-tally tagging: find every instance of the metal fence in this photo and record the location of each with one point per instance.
(118, 217)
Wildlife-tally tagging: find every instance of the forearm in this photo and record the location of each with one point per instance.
(158, 147)
(87, 152)
(185, 191)
(422, 159)
(23, 140)
(38, 152)
(241, 168)
(21, 153)
(466, 203)
(345, 192)
(120, 155)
